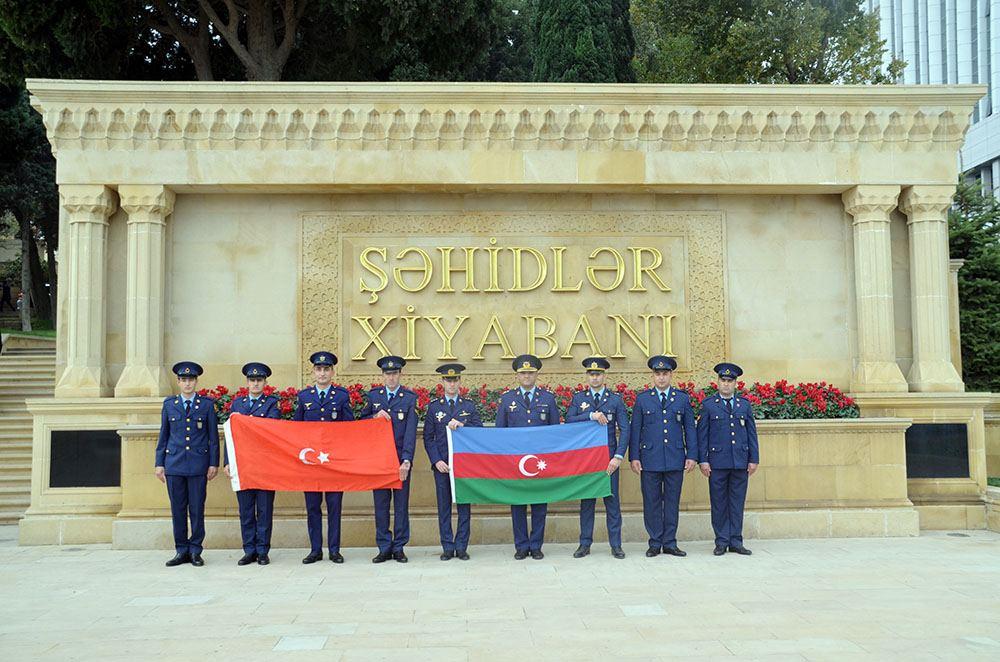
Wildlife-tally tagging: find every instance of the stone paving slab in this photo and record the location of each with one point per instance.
(929, 598)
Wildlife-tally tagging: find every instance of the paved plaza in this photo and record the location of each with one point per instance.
(932, 597)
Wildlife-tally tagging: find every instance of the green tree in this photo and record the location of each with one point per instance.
(760, 41)
(579, 41)
(974, 224)
(28, 193)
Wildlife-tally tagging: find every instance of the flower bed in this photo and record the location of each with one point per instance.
(781, 400)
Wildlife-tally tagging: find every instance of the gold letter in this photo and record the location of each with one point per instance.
(383, 280)
(447, 269)
(557, 275)
(542, 269)
(428, 269)
(583, 324)
(668, 334)
(651, 269)
(446, 337)
(501, 340)
(534, 336)
(494, 267)
(620, 324)
(619, 269)
(411, 335)
(373, 336)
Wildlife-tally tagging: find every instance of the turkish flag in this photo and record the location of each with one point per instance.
(300, 456)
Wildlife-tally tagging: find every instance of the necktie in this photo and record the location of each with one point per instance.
(729, 405)
(187, 407)
(322, 395)
(527, 399)
(663, 400)
(451, 405)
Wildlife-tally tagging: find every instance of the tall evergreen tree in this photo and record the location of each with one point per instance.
(581, 41)
(974, 222)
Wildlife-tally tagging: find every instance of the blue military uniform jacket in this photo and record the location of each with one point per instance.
(188, 443)
(662, 440)
(513, 413)
(439, 414)
(336, 406)
(727, 441)
(402, 408)
(613, 407)
(265, 406)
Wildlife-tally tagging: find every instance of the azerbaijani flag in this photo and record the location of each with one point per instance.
(529, 465)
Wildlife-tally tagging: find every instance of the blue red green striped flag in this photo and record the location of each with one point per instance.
(529, 464)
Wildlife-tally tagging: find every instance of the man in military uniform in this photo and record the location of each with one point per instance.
(597, 403)
(527, 406)
(729, 455)
(256, 506)
(662, 447)
(187, 457)
(326, 403)
(449, 413)
(397, 404)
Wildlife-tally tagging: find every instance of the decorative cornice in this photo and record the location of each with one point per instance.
(926, 202)
(131, 115)
(85, 203)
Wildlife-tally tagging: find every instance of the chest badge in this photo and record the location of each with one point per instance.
(584, 405)
(743, 422)
(199, 425)
(513, 406)
(439, 415)
(400, 415)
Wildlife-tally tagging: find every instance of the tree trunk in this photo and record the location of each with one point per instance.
(25, 274)
(50, 256)
(39, 296)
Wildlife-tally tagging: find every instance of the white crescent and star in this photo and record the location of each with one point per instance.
(540, 464)
(322, 456)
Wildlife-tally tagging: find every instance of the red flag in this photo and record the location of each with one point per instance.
(348, 456)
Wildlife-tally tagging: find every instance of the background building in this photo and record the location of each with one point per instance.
(948, 42)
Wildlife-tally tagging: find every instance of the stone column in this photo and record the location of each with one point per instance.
(87, 208)
(926, 208)
(147, 208)
(954, 314)
(875, 368)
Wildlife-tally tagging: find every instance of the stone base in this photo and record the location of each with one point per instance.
(993, 509)
(950, 517)
(934, 377)
(143, 381)
(358, 531)
(878, 377)
(64, 530)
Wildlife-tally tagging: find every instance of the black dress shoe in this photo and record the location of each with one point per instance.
(719, 550)
(741, 550)
(520, 555)
(382, 557)
(337, 557)
(313, 557)
(178, 560)
(674, 551)
(653, 551)
(462, 555)
(581, 551)
(618, 552)
(263, 560)
(400, 556)
(537, 554)
(447, 554)
(197, 561)
(247, 559)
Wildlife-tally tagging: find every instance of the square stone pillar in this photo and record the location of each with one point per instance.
(954, 308)
(926, 208)
(85, 275)
(875, 368)
(147, 208)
